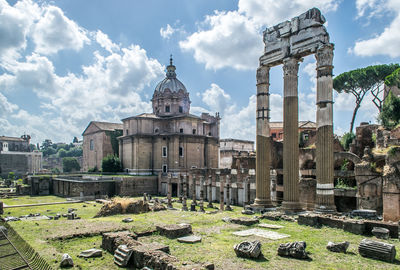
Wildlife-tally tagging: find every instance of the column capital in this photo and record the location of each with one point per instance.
(324, 56)
(263, 75)
(290, 66)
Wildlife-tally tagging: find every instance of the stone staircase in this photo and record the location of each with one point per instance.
(122, 255)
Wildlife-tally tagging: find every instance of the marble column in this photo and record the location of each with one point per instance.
(324, 146)
(228, 195)
(180, 188)
(194, 190)
(221, 191)
(184, 202)
(201, 203)
(263, 143)
(210, 205)
(290, 202)
(169, 205)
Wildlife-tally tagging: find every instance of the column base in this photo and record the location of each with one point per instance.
(291, 207)
(325, 209)
(260, 203)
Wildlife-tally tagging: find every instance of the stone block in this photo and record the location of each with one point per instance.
(392, 227)
(112, 240)
(377, 250)
(354, 226)
(245, 221)
(308, 220)
(248, 249)
(381, 233)
(174, 230)
(330, 222)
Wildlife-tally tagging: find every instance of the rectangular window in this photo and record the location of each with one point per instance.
(181, 130)
(164, 151)
(127, 132)
(91, 145)
(167, 108)
(180, 151)
(273, 135)
(164, 168)
(180, 109)
(194, 131)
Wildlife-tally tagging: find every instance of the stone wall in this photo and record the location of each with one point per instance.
(20, 163)
(83, 189)
(136, 185)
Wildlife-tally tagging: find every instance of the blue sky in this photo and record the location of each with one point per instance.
(64, 63)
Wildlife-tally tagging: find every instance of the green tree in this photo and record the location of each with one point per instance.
(32, 147)
(70, 164)
(46, 144)
(360, 81)
(75, 140)
(389, 117)
(62, 153)
(111, 163)
(393, 79)
(346, 140)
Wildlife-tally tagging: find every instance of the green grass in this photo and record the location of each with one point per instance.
(32, 200)
(216, 246)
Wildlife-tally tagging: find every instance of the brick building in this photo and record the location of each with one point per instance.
(276, 129)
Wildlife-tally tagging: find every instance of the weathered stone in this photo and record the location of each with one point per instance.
(364, 213)
(270, 226)
(153, 258)
(377, 250)
(338, 247)
(354, 226)
(122, 255)
(127, 220)
(392, 227)
(66, 261)
(288, 218)
(112, 240)
(247, 212)
(190, 239)
(209, 266)
(293, 249)
(158, 207)
(308, 219)
(330, 222)
(90, 253)
(274, 216)
(248, 249)
(245, 221)
(262, 233)
(380, 232)
(174, 230)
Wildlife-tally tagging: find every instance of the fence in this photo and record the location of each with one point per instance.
(16, 253)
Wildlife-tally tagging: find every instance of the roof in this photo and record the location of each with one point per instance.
(302, 124)
(235, 140)
(153, 116)
(14, 139)
(105, 126)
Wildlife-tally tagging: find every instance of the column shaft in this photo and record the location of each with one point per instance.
(291, 136)
(325, 161)
(263, 153)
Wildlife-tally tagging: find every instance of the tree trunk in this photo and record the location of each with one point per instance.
(354, 117)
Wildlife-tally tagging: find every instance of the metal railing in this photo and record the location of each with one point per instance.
(16, 253)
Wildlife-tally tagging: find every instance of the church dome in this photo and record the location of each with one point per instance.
(170, 96)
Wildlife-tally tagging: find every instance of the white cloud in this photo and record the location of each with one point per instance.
(105, 42)
(234, 38)
(216, 98)
(386, 43)
(231, 40)
(167, 32)
(15, 22)
(310, 70)
(271, 12)
(54, 32)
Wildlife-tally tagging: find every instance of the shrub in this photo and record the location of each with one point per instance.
(347, 139)
(70, 164)
(111, 163)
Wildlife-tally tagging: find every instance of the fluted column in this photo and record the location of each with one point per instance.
(169, 191)
(210, 205)
(184, 200)
(325, 162)
(290, 136)
(263, 143)
(194, 190)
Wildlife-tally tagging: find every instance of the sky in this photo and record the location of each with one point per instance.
(65, 63)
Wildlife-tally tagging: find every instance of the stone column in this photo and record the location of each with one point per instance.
(246, 192)
(263, 143)
(194, 190)
(290, 202)
(228, 195)
(1, 208)
(180, 188)
(201, 203)
(184, 203)
(221, 191)
(324, 146)
(169, 191)
(210, 205)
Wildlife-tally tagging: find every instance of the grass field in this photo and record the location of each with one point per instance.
(216, 246)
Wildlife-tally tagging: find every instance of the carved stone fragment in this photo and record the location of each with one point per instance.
(293, 249)
(377, 250)
(248, 249)
(338, 247)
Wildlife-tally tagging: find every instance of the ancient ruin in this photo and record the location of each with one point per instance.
(286, 43)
